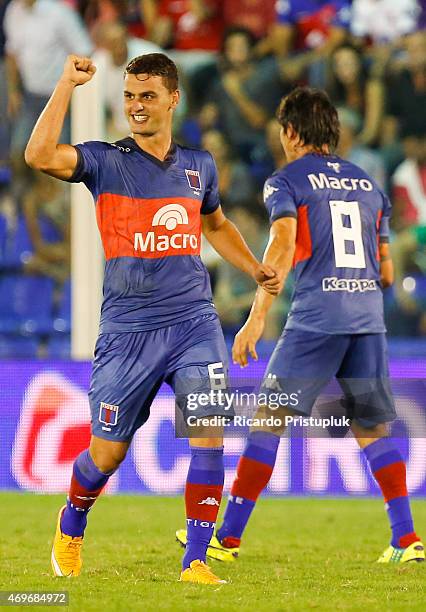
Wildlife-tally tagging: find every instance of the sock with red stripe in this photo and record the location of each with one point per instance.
(254, 471)
(87, 483)
(388, 468)
(203, 493)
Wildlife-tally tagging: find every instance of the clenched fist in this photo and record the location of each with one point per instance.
(78, 70)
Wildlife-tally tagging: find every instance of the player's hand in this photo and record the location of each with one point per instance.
(267, 278)
(246, 339)
(78, 70)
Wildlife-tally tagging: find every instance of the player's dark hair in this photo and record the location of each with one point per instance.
(155, 64)
(312, 116)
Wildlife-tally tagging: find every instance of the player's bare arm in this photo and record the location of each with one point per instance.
(278, 255)
(228, 242)
(43, 151)
(386, 265)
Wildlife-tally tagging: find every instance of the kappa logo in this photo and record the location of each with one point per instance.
(335, 166)
(350, 285)
(194, 179)
(268, 191)
(108, 415)
(209, 501)
(170, 215)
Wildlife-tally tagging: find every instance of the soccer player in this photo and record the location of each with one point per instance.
(158, 322)
(331, 222)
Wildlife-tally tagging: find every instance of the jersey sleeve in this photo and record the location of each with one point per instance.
(89, 163)
(211, 200)
(384, 220)
(279, 198)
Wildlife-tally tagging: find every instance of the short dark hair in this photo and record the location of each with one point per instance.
(155, 64)
(312, 116)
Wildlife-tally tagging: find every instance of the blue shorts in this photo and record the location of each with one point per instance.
(129, 368)
(303, 363)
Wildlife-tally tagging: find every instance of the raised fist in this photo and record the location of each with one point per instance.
(78, 70)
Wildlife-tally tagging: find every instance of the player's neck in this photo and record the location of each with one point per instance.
(300, 152)
(157, 145)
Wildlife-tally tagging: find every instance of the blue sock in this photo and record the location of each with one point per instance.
(253, 474)
(203, 493)
(388, 468)
(86, 484)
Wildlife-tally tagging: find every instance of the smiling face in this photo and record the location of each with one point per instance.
(148, 104)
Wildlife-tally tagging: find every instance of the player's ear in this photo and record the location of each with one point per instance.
(175, 98)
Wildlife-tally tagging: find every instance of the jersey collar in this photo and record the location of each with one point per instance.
(169, 160)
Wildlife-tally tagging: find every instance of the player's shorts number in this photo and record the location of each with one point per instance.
(216, 376)
(347, 234)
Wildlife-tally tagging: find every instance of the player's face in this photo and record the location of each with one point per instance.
(148, 104)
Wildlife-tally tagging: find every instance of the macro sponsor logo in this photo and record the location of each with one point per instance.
(322, 181)
(168, 216)
(350, 285)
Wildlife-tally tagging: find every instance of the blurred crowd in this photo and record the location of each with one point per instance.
(237, 58)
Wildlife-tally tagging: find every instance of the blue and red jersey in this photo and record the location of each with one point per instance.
(149, 218)
(342, 215)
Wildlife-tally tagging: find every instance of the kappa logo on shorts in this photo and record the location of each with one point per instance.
(108, 414)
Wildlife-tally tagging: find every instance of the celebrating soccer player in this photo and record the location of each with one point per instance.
(329, 220)
(158, 323)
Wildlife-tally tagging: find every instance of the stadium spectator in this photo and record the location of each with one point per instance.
(233, 296)
(191, 29)
(409, 201)
(409, 185)
(384, 22)
(351, 85)
(406, 91)
(48, 203)
(306, 32)
(39, 36)
(406, 100)
(95, 12)
(114, 51)
(269, 159)
(350, 148)
(258, 16)
(246, 93)
(236, 187)
(4, 125)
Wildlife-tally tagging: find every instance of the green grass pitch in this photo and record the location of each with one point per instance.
(298, 554)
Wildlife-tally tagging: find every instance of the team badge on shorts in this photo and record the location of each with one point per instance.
(194, 179)
(108, 414)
